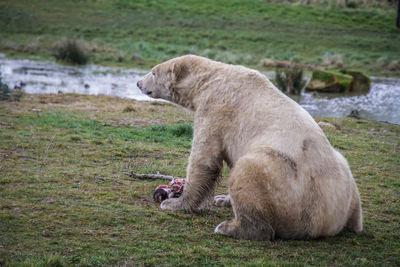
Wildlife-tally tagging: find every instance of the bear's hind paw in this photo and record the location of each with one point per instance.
(222, 201)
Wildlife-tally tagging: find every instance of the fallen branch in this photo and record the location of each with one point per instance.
(150, 176)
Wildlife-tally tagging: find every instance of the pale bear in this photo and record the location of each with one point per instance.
(286, 180)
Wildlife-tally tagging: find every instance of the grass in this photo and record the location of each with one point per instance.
(143, 33)
(65, 198)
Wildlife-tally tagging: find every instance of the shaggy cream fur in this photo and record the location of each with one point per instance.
(286, 180)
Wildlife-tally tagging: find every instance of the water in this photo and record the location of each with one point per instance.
(51, 78)
(381, 103)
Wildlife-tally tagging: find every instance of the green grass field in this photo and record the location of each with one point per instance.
(66, 198)
(146, 32)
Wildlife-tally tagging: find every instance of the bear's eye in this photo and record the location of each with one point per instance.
(154, 74)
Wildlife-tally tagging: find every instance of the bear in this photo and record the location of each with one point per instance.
(286, 180)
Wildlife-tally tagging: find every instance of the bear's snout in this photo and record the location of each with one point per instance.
(139, 84)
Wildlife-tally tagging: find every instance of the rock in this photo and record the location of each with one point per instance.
(343, 81)
(330, 82)
(333, 125)
(361, 82)
(326, 124)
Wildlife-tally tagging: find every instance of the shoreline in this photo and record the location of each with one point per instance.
(41, 77)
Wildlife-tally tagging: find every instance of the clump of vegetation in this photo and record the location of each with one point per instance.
(5, 91)
(388, 64)
(183, 130)
(334, 60)
(16, 95)
(180, 130)
(71, 50)
(290, 81)
(75, 138)
(351, 4)
(7, 94)
(129, 109)
(266, 63)
(394, 65)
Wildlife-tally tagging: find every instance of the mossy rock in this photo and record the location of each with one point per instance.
(330, 82)
(361, 82)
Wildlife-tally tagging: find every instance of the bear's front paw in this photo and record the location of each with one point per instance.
(172, 204)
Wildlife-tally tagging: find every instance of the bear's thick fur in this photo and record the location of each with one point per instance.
(286, 180)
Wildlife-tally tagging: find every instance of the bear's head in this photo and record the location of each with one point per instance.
(163, 80)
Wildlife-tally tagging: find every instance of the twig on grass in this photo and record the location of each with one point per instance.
(150, 176)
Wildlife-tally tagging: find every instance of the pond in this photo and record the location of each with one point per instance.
(382, 103)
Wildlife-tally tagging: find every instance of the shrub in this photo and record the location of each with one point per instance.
(71, 50)
(290, 81)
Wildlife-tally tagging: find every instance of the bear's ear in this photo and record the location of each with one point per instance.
(179, 71)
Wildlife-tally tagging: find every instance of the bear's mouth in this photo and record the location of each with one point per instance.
(149, 92)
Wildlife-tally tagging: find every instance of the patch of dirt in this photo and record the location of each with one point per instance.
(142, 122)
(156, 154)
(145, 201)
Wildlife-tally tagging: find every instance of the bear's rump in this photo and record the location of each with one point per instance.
(269, 185)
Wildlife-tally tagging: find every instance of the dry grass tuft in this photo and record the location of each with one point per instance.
(129, 109)
(332, 60)
(394, 65)
(71, 50)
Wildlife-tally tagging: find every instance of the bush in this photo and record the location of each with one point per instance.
(290, 81)
(71, 50)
